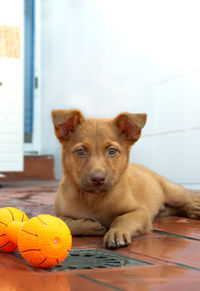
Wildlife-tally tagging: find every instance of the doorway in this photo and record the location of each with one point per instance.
(32, 96)
(29, 41)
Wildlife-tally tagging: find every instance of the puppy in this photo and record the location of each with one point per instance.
(100, 192)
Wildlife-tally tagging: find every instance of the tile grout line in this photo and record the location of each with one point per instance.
(153, 237)
(169, 79)
(100, 283)
(167, 261)
(169, 234)
(90, 240)
(170, 132)
(151, 257)
(136, 238)
(187, 267)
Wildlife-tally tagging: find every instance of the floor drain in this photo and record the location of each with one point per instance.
(94, 259)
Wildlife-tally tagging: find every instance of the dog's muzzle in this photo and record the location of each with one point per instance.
(96, 183)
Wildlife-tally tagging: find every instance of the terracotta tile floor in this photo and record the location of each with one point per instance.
(172, 252)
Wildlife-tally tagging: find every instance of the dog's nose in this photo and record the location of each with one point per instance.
(97, 178)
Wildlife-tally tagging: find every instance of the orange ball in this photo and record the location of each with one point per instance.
(8, 215)
(44, 241)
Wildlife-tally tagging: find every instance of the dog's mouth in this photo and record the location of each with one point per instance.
(95, 189)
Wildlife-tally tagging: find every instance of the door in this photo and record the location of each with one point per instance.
(11, 85)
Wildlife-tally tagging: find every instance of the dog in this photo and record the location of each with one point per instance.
(100, 192)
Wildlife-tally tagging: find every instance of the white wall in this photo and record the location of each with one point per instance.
(107, 56)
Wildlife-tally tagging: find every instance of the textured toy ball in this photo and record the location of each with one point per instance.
(44, 241)
(9, 215)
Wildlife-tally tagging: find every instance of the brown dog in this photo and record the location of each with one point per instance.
(100, 192)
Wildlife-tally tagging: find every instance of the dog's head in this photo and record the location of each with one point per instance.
(95, 152)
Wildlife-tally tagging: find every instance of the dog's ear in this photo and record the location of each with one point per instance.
(131, 125)
(65, 122)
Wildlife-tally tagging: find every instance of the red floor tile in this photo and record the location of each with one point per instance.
(77, 283)
(163, 251)
(17, 274)
(32, 197)
(125, 251)
(78, 242)
(170, 249)
(157, 278)
(99, 240)
(178, 225)
(148, 236)
(30, 281)
(141, 257)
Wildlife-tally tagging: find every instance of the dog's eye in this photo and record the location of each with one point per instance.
(112, 152)
(80, 153)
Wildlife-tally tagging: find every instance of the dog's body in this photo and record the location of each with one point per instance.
(100, 192)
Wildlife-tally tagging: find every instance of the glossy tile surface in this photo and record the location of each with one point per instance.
(15, 275)
(165, 253)
(148, 278)
(170, 249)
(34, 197)
(178, 225)
(99, 240)
(83, 243)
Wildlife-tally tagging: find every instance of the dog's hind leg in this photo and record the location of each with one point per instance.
(182, 200)
(167, 211)
(84, 226)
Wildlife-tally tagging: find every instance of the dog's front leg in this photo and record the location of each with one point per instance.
(84, 226)
(126, 226)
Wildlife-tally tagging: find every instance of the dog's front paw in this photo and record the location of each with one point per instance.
(116, 239)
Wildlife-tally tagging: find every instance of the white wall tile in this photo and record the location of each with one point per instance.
(168, 156)
(174, 156)
(170, 106)
(191, 157)
(193, 101)
(106, 57)
(142, 152)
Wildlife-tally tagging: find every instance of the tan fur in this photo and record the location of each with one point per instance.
(100, 192)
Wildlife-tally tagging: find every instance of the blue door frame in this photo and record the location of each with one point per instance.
(29, 33)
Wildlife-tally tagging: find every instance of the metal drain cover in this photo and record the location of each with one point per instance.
(94, 259)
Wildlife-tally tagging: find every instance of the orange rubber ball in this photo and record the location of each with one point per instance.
(44, 241)
(8, 215)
